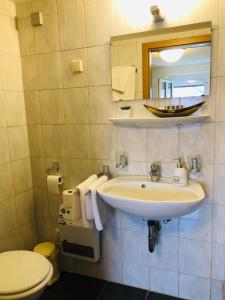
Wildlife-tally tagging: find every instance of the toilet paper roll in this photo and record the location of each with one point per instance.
(71, 200)
(53, 183)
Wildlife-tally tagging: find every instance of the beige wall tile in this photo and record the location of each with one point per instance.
(220, 143)
(4, 146)
(49, 71)
(15, 108)
(78, 170)
(24, 207)
(26, 36)
(78, 141)
(76, 106)
(41, 202)
(220, 108)
(198, 139)
(221, 53)
(200, 11)
(21, 173)
(8, 218)
(12, 9)
(38, 171)
(221, 13)
(214, 53)
(219, 184)
(132, 141)
(32, 107)
(10, 73)
(28, 235)
(13, 45)
(101, 105)
(15, 176)
(6, 187)
(54, 140)
(134, 167)
(103, 142)
(69, 78)
(71, 28)
(99, 70)
(162, 144)
(4, 34)
(3, 121)
(54, 203)
(99, 22)
(4, 7)
(18, 142)
(43, 229)
(36, 140)
(23, 9)
(30, 72)
(68, 4)
(12, 241)
(46, 36)
(44, 6)
(51, 103)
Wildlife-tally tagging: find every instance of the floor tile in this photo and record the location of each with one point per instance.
(74, 287)
(156, 296)
(114, 291)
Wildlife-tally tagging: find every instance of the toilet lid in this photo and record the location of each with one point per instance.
(21, 271)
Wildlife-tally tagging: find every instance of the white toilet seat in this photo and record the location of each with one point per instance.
(25, 273)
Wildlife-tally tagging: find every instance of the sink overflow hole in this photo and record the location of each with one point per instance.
(143, 186)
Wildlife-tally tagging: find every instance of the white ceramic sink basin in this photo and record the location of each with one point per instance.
(161, 200)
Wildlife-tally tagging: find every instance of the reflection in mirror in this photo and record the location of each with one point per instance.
(180, 71)
(162, 63)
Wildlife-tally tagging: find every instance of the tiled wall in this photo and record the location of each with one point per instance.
(68, 121)
(17, 230)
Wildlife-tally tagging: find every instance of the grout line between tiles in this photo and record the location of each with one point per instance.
(103, 289)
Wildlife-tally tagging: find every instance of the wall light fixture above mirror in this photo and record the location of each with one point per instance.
(163, 63)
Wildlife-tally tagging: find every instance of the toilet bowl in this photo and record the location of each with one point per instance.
(23, 275)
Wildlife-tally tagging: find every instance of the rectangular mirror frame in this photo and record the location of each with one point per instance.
(146, 48)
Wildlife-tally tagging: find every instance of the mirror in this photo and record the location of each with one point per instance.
(158, 67)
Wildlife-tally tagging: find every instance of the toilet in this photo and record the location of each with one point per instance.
(23, 275)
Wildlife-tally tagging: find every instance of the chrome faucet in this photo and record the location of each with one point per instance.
(155, 172)
(122, 160)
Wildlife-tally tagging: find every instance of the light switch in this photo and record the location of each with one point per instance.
(77, 66)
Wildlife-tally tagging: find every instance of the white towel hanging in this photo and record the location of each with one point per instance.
(83, 188)
(93, 187)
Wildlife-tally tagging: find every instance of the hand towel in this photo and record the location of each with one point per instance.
(83, 188)
(93, 188)
(123, 82)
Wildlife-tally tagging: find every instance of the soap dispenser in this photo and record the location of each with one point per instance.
(180, 175)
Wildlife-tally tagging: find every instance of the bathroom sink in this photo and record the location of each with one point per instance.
(161, 200)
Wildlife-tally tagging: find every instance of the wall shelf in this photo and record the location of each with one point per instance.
(156, 122)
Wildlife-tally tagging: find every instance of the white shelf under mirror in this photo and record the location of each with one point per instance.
(155, 122)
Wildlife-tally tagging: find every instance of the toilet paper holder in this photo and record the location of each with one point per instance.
(53, 170)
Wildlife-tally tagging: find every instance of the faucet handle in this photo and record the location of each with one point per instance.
(155, 171)
(155, 166)
(194, 163)
(122, 160)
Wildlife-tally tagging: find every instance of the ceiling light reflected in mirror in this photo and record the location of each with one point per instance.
(171, 55)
